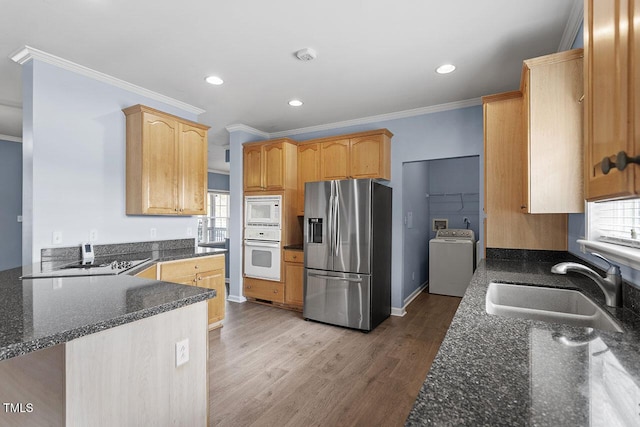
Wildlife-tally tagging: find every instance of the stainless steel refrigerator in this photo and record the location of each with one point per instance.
(347, 253)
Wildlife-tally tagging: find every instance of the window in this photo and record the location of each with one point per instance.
(613, 230)
(214, 228)
(616, 222)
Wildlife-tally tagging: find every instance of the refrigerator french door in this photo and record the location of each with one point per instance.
(347, 242)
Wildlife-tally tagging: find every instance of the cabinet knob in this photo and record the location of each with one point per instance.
(622, 160)
(248, 286)
(275, 291)
(196, 267)
(199, 277)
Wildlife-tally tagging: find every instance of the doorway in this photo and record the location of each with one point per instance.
(439, 191)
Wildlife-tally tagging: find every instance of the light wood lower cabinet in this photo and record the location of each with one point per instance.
(294, 277)
(204, 272)
(264, 290)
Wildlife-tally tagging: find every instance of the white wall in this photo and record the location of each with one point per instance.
(74, 162)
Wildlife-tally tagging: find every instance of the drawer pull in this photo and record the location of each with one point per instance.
(622, 160)
(275, 291)
(248, 286)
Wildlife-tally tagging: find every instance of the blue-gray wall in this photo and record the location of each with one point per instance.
(11, 204)
(74, 162)
(218, 181)
(443, 134)
(415, 186)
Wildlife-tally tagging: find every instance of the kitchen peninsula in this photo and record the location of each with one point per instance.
(104, 350)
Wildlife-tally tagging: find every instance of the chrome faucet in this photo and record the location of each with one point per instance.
(610, 285)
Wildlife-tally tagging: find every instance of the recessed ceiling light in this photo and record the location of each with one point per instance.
(295, 103)
(445, 69)
(214, 80)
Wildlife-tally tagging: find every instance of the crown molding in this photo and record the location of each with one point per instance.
(248, 129)
(10, 138)
(28, 53)
(382, 117)
(573, 25)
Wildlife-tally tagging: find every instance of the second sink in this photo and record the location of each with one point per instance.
(566, 306)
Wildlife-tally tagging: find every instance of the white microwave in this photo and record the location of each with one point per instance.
(262, 211)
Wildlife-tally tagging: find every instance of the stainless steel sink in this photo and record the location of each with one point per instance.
(553, 305)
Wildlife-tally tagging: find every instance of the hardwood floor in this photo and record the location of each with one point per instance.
(268, 367)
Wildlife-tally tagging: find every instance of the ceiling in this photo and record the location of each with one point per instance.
(374, 56)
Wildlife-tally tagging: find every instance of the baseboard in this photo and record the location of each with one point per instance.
(236, 298)
(400, 312)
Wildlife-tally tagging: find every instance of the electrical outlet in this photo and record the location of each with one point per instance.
(93, 235)
(153, 232)
(56, 238)
(182, 352)
(19, 218)
(189, 231)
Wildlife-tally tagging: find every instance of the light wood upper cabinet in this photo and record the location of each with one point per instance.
(371, 156)
(360, 155)
(270, 165)
(166, 164)
(611, 90)
(506, 225)
(552, 157)
(274, 166)
(308, 170)
(252, 168)
(193, 175)
(334, 159)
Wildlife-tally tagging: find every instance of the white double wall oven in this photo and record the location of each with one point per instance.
(262, 236)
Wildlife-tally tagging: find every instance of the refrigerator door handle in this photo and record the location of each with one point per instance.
(337, 220)
(342, 279)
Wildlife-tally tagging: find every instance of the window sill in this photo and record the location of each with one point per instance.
(619, 254)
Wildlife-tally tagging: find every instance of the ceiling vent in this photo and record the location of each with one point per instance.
(306, 54)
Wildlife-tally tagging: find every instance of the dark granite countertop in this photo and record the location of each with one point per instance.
(494, 370)
(39, 313)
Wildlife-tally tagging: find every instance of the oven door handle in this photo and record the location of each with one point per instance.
(262, 244)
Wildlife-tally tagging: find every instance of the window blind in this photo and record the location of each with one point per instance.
(617, 222)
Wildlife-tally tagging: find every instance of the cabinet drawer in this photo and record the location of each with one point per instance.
(185, 267)
(264, 289)
(293, 256)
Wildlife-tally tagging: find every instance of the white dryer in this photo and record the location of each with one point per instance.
(452, 261)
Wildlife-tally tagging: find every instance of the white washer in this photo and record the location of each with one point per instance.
(452, 261)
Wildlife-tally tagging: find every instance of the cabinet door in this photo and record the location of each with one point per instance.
(160, 181)
(553, 134)
(253, 168)
(334, 159)
(606, 94)
(369, 157)
(308, 170)
(193, 171)
(294, 283)
(506, 226)
(214, 280)
(273, 173)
